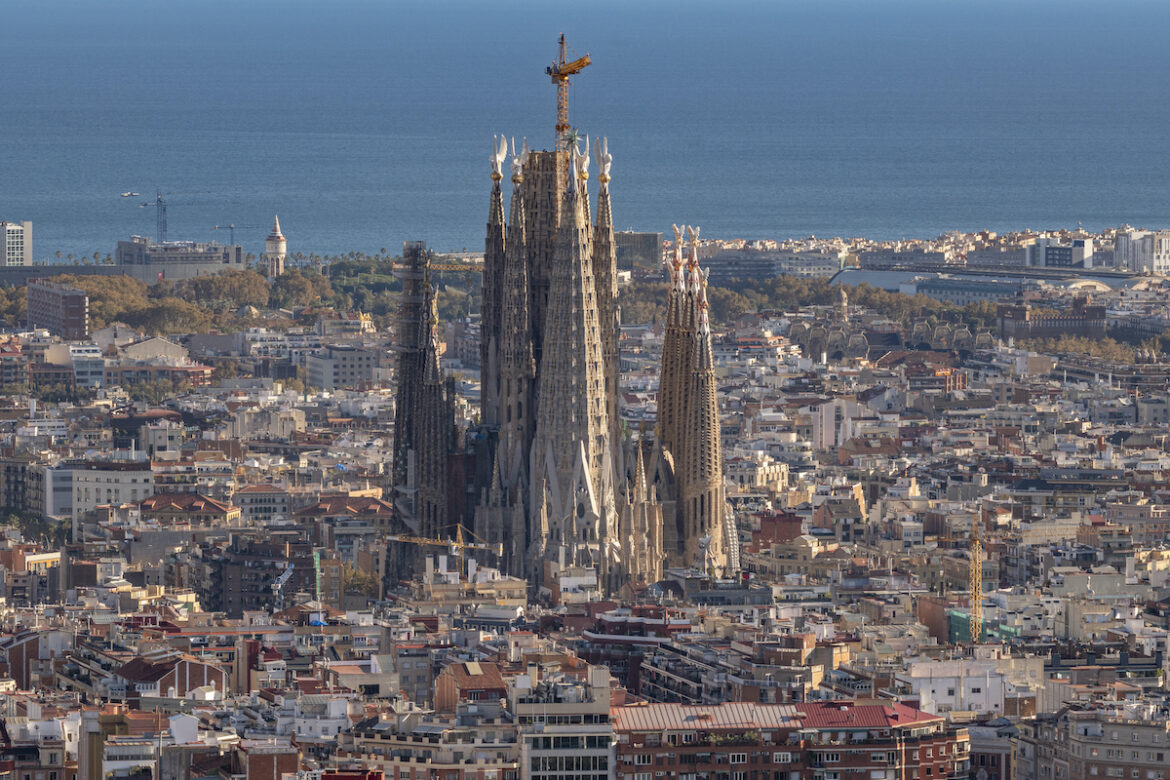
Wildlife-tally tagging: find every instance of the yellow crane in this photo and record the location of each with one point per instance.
(974, 576)
(976, 581)
(458, 545)
(559, 72)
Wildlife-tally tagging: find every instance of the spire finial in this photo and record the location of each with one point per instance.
(582, 161)
(499, 154)
(519, 161)
(604, 158)
(573, 154)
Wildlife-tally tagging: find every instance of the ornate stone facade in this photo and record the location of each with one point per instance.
(424, 415)
(698, 528)
(560, 495)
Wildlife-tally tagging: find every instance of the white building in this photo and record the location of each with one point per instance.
(339, 366)
(86, 360)
(321, 716)
(564, 726)
(18, 241)
(1143, 251)
(275, 250)
(98, 483)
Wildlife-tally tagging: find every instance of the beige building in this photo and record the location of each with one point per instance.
(1130, 741)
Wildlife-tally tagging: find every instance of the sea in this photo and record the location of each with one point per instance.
(366, 123)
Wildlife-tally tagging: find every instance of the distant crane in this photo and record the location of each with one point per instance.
(975, 586)
(160, 211)
(232, 230)
(457, 545)
(467, 269)
(278, 587)
(559, 72)
(160, 216)
(974, 575)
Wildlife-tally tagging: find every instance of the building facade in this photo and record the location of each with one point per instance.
(151, 262)
(17, 245)
(59, 308)
(560, 491)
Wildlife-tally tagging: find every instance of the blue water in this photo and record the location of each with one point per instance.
(368, 123)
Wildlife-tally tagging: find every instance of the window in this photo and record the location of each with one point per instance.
(739, 758)
(781, 758)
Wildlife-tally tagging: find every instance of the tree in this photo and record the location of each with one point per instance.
(298, 288)
(169, 315)
(227, 290)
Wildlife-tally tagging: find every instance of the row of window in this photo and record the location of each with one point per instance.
(1134, 773)
(590, 741)
(569, 763)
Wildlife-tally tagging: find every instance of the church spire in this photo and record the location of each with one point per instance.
(675, 355)
(702, 464)
(493, 265)
(516, 358)
(605, 272)
(572, 428)
(517, 373)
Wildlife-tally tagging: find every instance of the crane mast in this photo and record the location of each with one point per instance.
(160, 218)
(559, 72)
(975, 586)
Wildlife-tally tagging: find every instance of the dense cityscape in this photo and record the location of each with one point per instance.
(590, 503)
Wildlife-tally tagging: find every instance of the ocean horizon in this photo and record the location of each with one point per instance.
(365, 124)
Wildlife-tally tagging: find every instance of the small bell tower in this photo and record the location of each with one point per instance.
(275, 250)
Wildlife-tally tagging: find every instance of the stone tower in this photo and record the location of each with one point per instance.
(493, 264)
(605, 273)
(571, 464)
(503, 517)
(275, 250)
(559, 493)
(698, 530)
(424, 423)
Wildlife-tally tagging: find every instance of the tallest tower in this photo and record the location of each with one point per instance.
(572, 498)
(554, 490)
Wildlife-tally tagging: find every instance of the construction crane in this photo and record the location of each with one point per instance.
(160, 210)
(232, 230)
(467, 269)
(559, 72)
(975, 586)
(458, 544)
(278, 587)
(160, 215)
